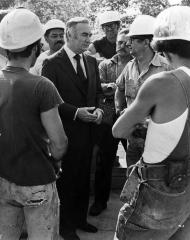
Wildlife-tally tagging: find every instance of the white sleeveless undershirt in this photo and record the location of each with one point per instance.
(162, 138)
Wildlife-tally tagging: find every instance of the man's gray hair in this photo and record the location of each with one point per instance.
(74, 21)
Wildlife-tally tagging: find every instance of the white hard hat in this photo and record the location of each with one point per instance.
(20, 28)
(142, 25)
(108, 16)
(54, 23)
(173, 23)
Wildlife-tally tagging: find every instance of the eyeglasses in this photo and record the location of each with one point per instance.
(109, 25)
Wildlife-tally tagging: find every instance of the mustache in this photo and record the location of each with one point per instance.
(60, 41)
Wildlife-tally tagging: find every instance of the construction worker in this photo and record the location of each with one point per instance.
(110, 24)
(145, 63)
(54, 36)
(157, 193)
(32, 137)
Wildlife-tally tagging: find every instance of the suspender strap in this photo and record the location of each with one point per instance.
(184, 80)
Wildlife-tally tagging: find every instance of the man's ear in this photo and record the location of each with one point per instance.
(46, 38)
(147, 41)
(68, 34)
(34, 49)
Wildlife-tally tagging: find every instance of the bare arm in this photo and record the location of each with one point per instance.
(55, 131)
(92, 49)
(143, 105)
(120, 100)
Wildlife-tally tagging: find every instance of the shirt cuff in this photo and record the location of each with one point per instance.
(75, 116)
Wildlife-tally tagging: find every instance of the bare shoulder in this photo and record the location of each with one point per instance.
(159, 87)
(161, 81)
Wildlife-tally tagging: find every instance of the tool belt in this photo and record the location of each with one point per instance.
(175, 173)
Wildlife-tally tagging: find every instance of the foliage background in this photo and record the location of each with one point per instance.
(48, 9)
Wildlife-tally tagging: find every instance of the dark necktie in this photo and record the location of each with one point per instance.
(80, 72)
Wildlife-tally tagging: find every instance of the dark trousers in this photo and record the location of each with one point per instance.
(73, 187)
(104, 162)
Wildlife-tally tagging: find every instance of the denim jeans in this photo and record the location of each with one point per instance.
(37, 206)
(153, 214)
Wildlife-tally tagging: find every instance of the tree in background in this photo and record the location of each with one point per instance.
(185, 2)
(99, 5)
(5, 4)
(150, 7)
(48, 9)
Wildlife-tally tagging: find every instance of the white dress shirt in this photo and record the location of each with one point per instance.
(71, 56)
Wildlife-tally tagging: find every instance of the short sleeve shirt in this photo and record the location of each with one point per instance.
(105, 48)
(130, 79)
(109, 72)
(24, 158)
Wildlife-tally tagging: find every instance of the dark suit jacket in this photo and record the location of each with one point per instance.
(60, 71)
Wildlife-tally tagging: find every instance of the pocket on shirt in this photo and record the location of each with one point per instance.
(131, 88)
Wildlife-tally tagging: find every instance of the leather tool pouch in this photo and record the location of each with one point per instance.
(177, 178)
(130, 189)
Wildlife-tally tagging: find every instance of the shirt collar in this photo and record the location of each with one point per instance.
(156, 60)
(114, 59)
(69, 52)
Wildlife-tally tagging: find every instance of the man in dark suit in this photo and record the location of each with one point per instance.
(76, 77)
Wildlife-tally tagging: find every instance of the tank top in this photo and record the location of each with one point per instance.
(162, 138)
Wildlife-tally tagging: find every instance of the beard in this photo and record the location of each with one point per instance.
(37, 53)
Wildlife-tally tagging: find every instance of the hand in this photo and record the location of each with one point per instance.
(86, 114)
(59, 169)
(112, 85)
(110, 88)
(119, 112)
(99, 114)
(56, 165)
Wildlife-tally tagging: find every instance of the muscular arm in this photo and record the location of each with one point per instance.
(55, 131)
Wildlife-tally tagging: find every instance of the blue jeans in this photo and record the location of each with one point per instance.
(37, 206)
(152, 214)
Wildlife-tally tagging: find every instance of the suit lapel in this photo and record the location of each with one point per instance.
(71, 71)
(89, 66)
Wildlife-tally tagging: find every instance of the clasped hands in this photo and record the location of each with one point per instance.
(90, 114)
